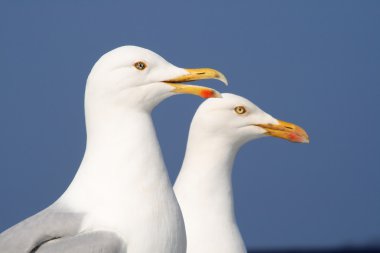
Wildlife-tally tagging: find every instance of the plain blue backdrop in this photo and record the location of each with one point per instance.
(314, 63)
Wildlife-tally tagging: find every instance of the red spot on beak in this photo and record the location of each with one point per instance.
(207, 93)
(293, 137)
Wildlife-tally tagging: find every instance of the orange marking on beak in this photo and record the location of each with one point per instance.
(206, 93)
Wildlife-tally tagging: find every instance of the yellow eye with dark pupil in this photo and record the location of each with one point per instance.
(240, 109)
(140, 65)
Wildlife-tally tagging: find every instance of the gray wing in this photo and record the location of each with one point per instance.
(28, 235)
(94, 242)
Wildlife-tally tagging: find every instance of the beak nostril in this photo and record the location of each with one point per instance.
(288, 127)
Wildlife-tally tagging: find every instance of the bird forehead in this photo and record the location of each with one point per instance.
(130, 55)
(228, 102)
(232, 98)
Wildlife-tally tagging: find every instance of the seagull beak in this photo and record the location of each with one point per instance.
(199, 74)
(194, 75)
(287, 131)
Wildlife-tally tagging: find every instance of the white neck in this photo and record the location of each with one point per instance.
(122, 184)
(204, 192)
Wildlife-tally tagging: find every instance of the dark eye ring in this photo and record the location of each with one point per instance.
(140, 65)
(240, 109)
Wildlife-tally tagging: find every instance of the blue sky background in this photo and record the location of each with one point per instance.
(314, 63)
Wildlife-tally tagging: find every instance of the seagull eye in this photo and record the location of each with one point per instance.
(240, 109)
(140, 65)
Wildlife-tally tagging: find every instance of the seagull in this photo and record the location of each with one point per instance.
(121, 199)
(203, 187)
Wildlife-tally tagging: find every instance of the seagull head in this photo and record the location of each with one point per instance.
(237, 119)
(140, 78)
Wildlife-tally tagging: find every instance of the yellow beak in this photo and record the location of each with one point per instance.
(194, 75)
(287, 131)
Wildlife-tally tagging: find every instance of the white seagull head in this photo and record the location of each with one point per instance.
(237, 120)
(139, 78)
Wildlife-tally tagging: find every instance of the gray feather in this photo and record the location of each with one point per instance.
(95, 242)
(46, 225)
